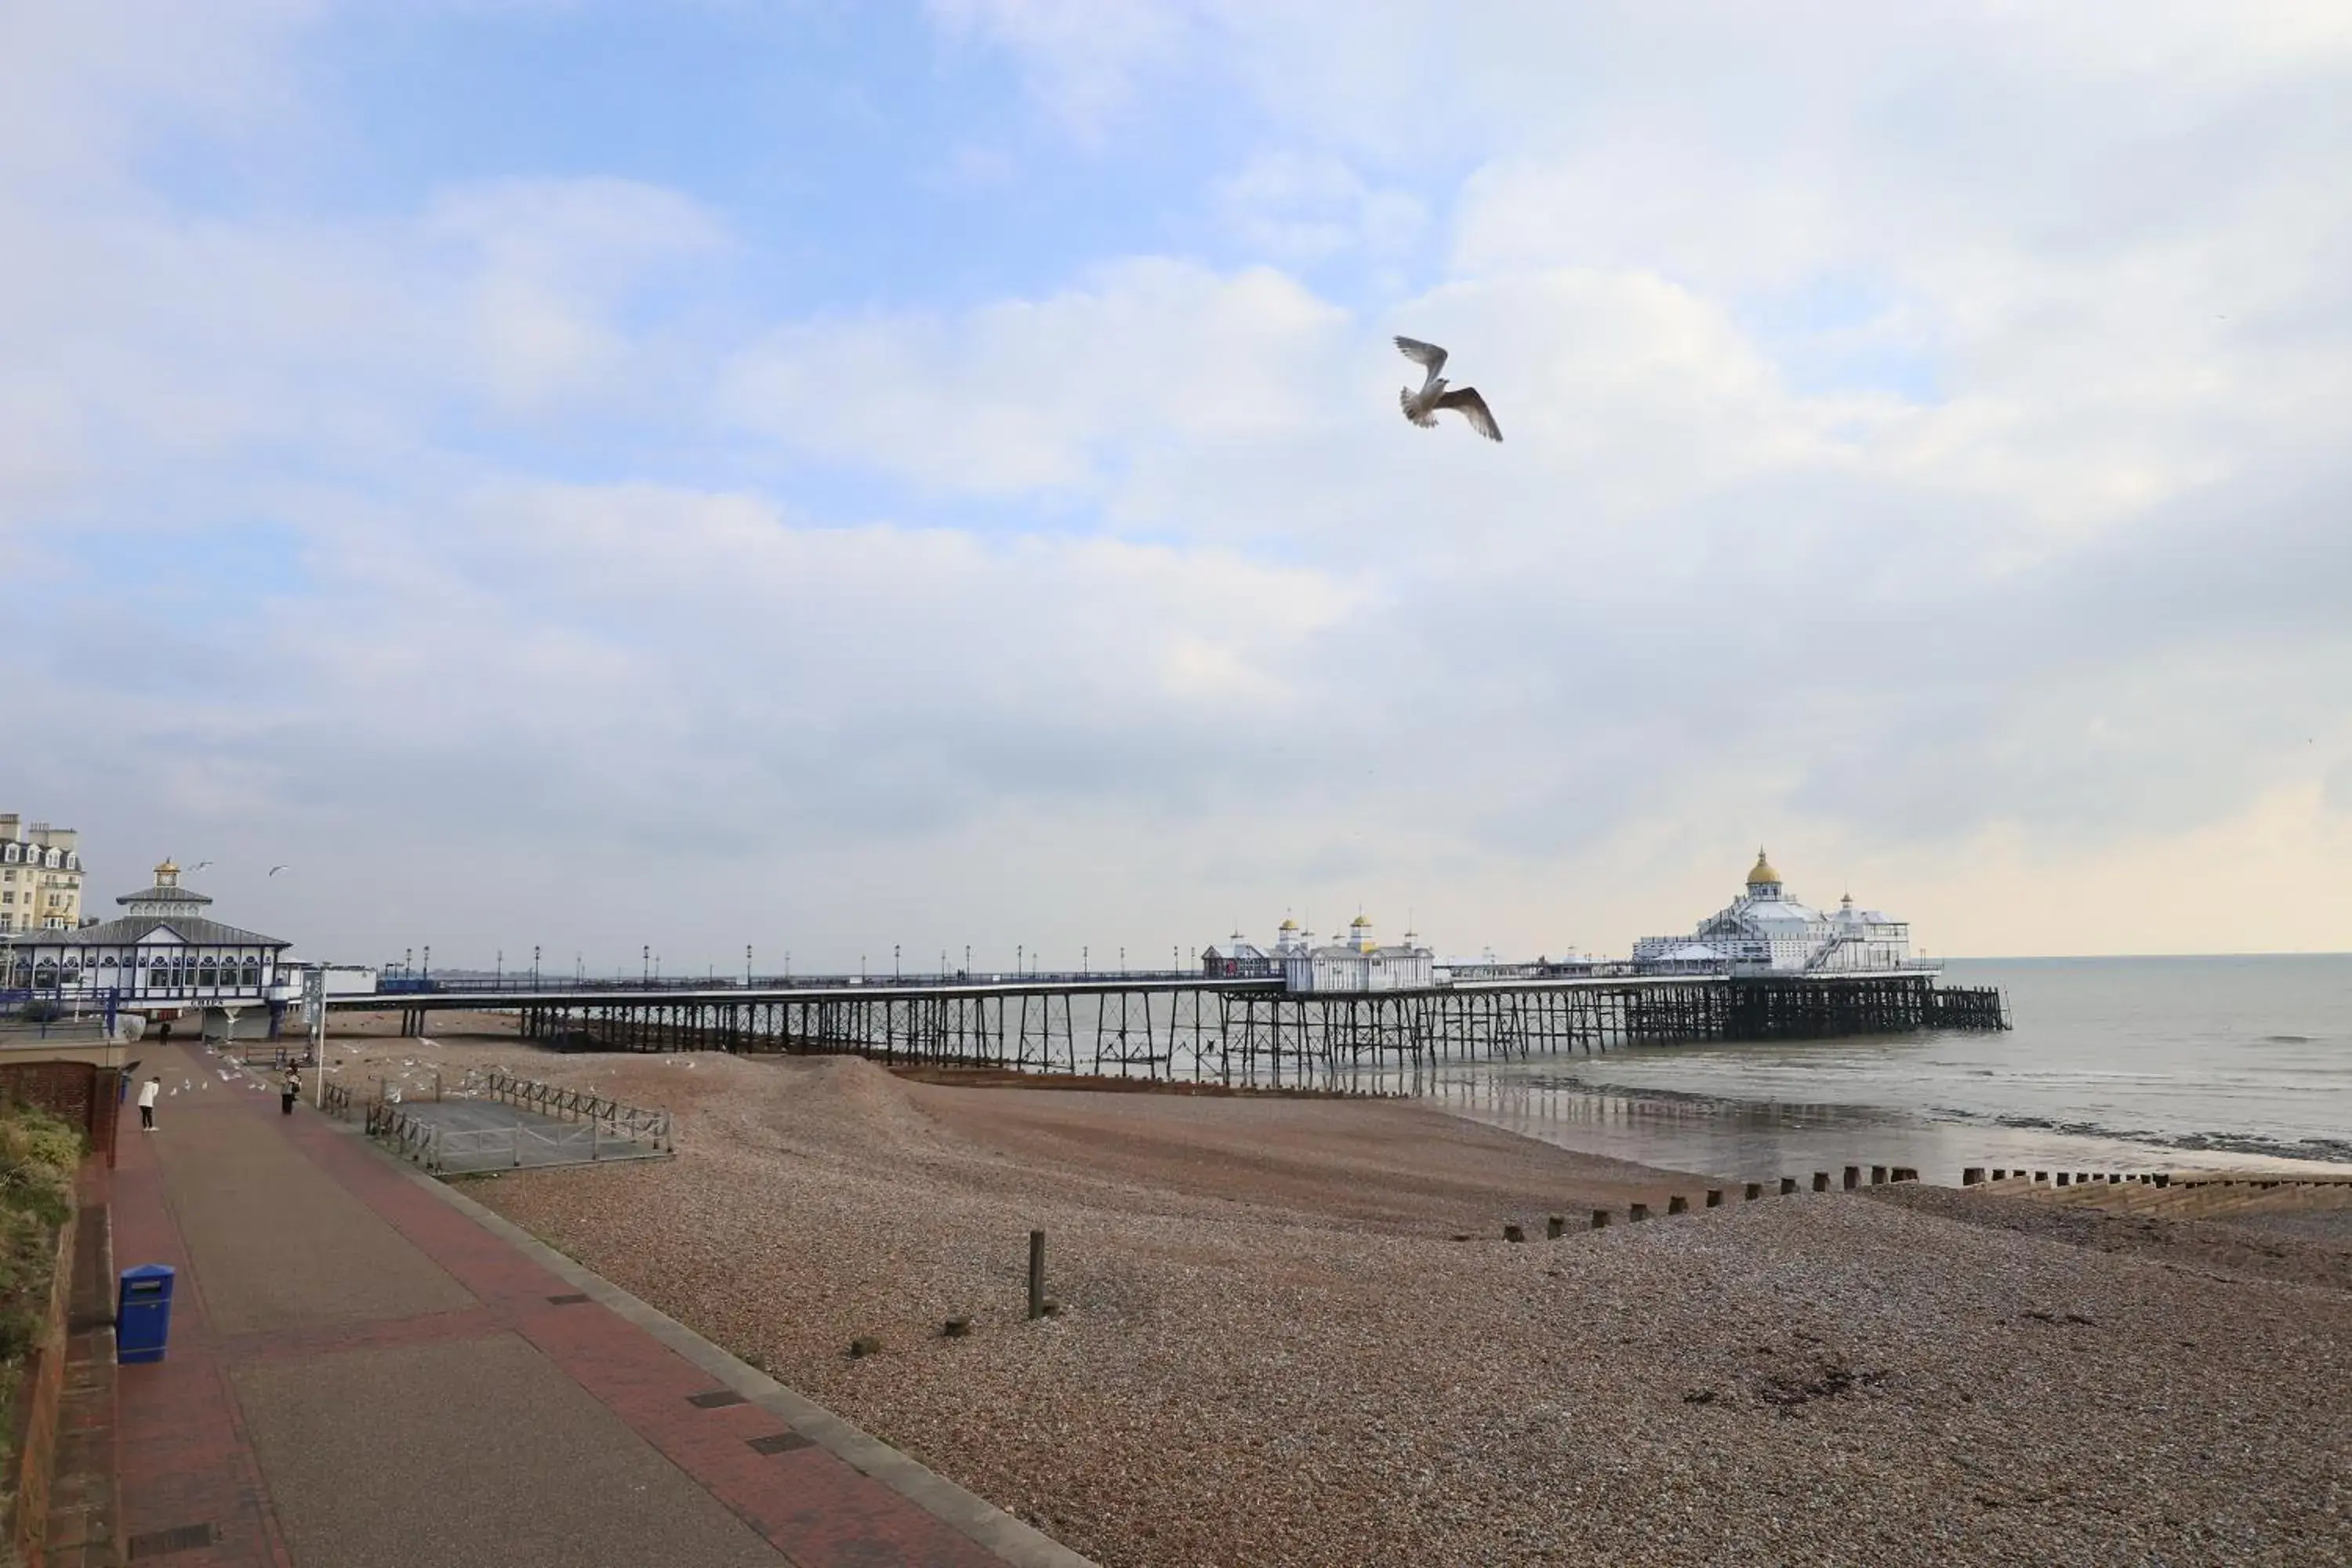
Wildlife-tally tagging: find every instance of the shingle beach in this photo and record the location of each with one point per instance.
(1272, 1348)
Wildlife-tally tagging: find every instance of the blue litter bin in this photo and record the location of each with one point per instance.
(142, 1313)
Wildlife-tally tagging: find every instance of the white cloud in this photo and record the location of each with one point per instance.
(1125, 604)
(1302, 209)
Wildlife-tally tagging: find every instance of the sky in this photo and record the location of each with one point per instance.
(836, 477)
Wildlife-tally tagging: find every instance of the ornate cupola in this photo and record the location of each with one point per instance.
(167, 896)
(1763, 882)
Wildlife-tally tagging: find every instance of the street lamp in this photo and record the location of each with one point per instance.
(428, 960)
(1082, 959)
(1017, 968)
(893, 961)
(645, 965)
(534, 966)
(498, 975)
(746, 966)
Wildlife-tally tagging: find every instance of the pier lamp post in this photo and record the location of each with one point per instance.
(788, 966)
(407, 961)
(579, 968)
(967, 960)
(534, 966)
(645, 963)
(746, 966)
(893, 961)
(499, 973)
(1122, 961)
(1017, 959)
(428, 960)
(861, 967)
(1082, 961)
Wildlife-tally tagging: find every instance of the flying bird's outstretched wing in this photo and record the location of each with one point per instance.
(1404, 401)
(1473, 407)
(1429, 356)
(275, 869)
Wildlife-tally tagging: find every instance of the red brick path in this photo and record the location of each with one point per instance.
(187, 1461)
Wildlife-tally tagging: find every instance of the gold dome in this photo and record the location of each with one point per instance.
(1763, 872)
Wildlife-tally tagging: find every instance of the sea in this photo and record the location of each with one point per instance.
(2112, 1064)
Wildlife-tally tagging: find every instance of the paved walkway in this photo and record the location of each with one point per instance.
(367, 1372)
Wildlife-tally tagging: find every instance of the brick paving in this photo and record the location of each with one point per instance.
(477, 1406)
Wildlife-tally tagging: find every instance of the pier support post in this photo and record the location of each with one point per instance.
(1514, 1232)
(1640, 1213)
(1972, 1177)
(1852, 1177)
(1877, 1175)
(1821, 1181)
(1601, 1219)
(1555, 1227)
(2062, 1178)
(1715, 1197)
(1788, 1185)
(1751, 1191)
(1678, 1203)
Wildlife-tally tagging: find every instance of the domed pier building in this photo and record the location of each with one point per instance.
(161, 957)
(1764, 931)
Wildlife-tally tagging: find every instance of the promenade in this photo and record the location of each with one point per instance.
(366, 1371)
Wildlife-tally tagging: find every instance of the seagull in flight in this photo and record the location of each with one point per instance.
(275, 869)
(199, 865)
(1422, 406)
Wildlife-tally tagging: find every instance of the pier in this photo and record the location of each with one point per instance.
(1211, 1029)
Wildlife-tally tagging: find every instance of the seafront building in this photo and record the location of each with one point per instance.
(40, 875)
(161, 957)
(1767, 930)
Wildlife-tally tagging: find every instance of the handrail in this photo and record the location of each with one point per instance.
(410, 1137)
(580, 1105)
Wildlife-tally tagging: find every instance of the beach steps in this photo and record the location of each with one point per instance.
(2171, 1194)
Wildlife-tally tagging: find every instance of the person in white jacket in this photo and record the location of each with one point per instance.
(147, 1093)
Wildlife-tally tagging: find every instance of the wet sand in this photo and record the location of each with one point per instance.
(1272, 1352)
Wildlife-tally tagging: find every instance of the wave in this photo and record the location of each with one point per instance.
(2337, 1151)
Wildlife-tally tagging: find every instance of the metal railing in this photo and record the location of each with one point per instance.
(410, 1137)
(335, 1100)
(609, 1116)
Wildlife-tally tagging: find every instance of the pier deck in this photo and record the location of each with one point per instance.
(1221, 1030)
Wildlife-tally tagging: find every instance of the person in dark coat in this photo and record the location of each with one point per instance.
(289, 1091)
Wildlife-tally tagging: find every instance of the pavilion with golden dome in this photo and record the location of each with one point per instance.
(1767, 930)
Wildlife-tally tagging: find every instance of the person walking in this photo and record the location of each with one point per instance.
(289, 1091)
(147, 1093)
